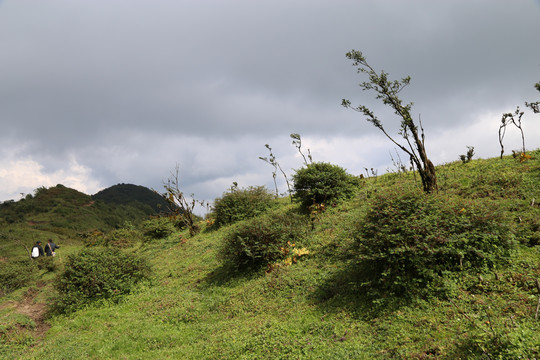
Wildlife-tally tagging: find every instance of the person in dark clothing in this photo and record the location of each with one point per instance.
(37, 250)
(50, 248)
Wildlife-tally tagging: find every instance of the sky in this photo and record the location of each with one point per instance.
(97, 93)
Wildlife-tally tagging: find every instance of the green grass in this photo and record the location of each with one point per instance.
(195, 307)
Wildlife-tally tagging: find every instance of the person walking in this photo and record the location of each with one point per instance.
(37, 250)
(50, 248)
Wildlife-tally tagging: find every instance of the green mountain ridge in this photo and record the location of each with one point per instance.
(65, 210)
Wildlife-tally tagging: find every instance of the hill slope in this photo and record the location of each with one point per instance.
(62, 213)
(124, 194)
(319, 307)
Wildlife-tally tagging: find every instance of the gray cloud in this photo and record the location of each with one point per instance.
(130, 88)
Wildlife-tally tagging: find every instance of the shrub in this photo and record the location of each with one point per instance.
(322, 183)
(158, 228)
(260, 240)
(467, 157)
(15, 274)
(122, 238)
(97, 273)
(46, 263)
(409, 240)
(92, 238)
(240, 204)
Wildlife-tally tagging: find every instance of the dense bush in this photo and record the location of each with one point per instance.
(260, 240)
(97, 273)
(158, 228)
(240, 204)
(409, 240)
(122, 238)
(321, 182)
(15, 274)
(46, 263)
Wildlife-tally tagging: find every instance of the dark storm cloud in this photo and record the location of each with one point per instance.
(129, 88)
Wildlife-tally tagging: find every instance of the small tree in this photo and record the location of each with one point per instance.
(515, 119)
(180, 204)
(507, 119)
(297, 141)
(387, 91)
(273, 161)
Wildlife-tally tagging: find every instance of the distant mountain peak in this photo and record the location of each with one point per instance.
(122, 194)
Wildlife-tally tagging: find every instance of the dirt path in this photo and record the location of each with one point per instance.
(34, 310)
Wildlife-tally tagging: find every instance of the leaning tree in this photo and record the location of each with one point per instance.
(387, 91)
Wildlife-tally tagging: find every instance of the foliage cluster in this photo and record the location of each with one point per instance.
(408, 240)
(157, 228)
(98, 273)
(122, 238)
(240, 204)
(259, 241)
(16, 273)
(467, 157)
(323, 183)
(47, 263)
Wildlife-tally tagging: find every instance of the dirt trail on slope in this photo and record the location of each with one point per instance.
(34, 310)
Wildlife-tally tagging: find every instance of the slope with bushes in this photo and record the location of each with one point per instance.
(389, 273)
(65, 214)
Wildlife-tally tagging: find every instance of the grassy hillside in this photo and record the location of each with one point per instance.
(65, 214)
(323, 304)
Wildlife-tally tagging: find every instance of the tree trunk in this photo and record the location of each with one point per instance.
(427, 170)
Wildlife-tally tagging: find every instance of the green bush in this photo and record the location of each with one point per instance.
(92, 238)
(408, 241)
(260, 240)
(322, 183)
(240, 204)
(122, 238)
(15, 274)
(158, 228)
(46, 263)
(97, 273)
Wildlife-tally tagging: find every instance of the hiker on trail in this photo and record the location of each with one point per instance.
(50, 248)
(37, 250)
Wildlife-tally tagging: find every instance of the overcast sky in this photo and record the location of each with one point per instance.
(96, 93)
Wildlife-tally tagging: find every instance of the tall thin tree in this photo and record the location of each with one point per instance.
(387, 91)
